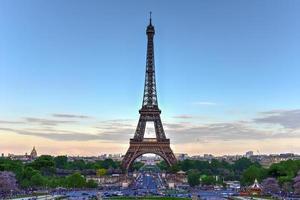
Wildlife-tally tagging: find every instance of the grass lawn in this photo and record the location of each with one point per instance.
(149, 198)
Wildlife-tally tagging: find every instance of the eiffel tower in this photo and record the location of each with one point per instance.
(149, 113)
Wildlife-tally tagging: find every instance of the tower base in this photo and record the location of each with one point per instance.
(148, 145)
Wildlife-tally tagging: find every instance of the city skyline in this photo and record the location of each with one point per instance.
(73, 79)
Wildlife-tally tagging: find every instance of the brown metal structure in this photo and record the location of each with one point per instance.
(149, 113)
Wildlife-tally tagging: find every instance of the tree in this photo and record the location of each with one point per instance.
(91, 184)
(30, 177)
(285, 170)
(14, 166)
(37, 180)
(193, 178)
(137, 165)
(109, 163)
(78, 165)
(187, 165)
(45, 164)
(174, 168)
(297, 184)
(8, 183)
(101, 172)
(75, 180)
(252, 173)
(162, 165)
(242, 164)
(208, 180)
(61, 162)
(270, 186)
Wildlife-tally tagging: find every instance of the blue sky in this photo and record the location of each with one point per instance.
(216, 61)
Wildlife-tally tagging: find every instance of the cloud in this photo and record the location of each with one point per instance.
(174, 126)
(58, 135)
(121, 130)
(10, 122)
(216, 131)
(48, 122)
(286, 118)
(108, 130)
(71, 116)
(184, 116)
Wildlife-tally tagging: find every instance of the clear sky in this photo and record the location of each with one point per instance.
(72, 74)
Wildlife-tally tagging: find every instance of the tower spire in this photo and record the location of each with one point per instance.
(150, 96)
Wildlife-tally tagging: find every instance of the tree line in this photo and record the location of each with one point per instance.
(244, 170)
(42, 172)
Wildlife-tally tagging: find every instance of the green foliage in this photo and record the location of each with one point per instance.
(193, 178)
(91, 184)
(224, 170)
(162, 165)
(284, 171)
(37, 180)
(10, 165)
(101, 172)
(45, 164)
(137, 165)
(252, 173)
(242, 164)
(208, 180)
(75, 180)
(174, 169)
(30, 177)
(61, 162)
(41, 173)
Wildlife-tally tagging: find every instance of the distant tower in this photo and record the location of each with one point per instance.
(33, 153)
(149, 113)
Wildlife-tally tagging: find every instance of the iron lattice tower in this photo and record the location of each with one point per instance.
(149, 113)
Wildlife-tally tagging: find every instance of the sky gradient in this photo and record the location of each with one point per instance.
(72, 75)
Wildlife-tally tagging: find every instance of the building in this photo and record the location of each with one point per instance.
(181, 156)
(249, 154)
(33, 153)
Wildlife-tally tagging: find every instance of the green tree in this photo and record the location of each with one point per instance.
(75, 180)
(284, 171)
(137, 165)
(45, 164)
(174, 168)
(208, 180)
(14, 166)
(61, 162)
(37, 180)
(242, 164)
(101, 172)
(252, 173)
(24, 177)
(187, 165)
(162, 165)
(91, 184)
(193, 178)
(77, 165)
(109, 163)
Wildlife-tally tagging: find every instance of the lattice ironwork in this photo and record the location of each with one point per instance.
(149, 113)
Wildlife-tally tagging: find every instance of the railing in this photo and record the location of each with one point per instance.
(149, 140)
